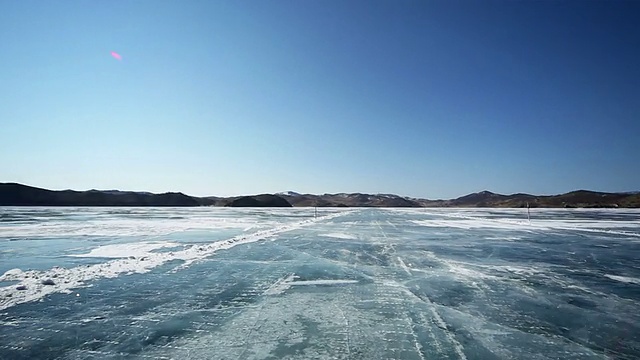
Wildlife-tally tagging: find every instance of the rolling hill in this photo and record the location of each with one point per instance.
(13, 194)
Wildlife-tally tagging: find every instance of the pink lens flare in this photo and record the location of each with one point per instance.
(116, 55)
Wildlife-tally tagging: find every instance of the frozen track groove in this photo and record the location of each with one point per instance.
(459, 349)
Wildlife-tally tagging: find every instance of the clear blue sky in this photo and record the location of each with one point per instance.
(421, 98)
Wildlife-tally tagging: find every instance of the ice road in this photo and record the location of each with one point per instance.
(222, 283)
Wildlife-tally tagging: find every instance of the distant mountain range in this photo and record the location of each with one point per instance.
(13, 194)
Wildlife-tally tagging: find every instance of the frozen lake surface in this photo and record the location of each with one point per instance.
(222, 283)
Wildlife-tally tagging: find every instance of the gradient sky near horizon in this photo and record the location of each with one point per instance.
(431, 99)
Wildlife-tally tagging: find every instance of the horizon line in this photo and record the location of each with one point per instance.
(632, 192)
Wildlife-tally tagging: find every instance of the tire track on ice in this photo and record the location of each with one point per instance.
(457, 346)
(390, 249)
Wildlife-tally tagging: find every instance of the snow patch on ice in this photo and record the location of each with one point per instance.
(340, 236)
(503, 238)
(473, 224)
(624, 279)
(324, 282)
(11, 273)
(130, 227)
(126, 250)
(464, 221)
(285, 283)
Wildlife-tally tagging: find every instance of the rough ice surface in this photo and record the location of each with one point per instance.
(212, 283)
